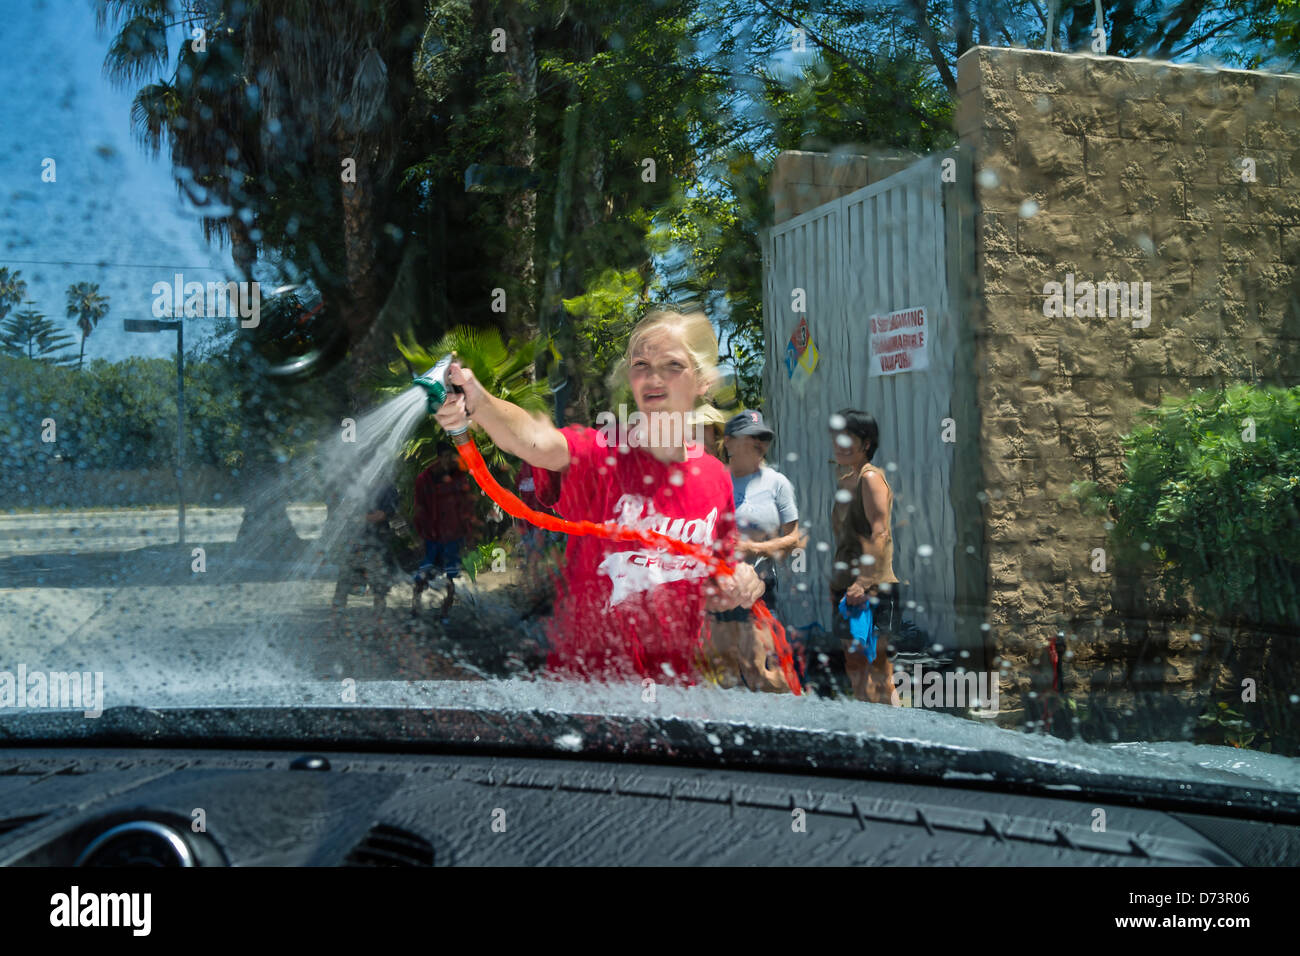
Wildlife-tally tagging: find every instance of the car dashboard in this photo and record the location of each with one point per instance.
(195, 807)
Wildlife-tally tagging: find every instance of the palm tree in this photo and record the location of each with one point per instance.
(504, 369)
(285, 92)
(258, 125)
(199, 112)
(87, 306)
(12, 290)
(321, 71)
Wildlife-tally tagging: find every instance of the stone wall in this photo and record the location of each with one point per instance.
(1113, 170)
(803, 180)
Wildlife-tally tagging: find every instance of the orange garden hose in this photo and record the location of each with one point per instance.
(511, 505)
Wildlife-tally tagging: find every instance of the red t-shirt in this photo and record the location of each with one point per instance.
(625, 610)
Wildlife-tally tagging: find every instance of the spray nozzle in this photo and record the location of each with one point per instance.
(434, 382)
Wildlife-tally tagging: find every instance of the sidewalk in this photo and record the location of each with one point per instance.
(127, 529)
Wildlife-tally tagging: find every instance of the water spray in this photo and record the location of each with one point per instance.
(434, 382)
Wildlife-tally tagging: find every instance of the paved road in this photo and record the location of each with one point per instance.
(79, 593)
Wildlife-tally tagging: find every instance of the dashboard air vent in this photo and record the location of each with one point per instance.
(389, 846)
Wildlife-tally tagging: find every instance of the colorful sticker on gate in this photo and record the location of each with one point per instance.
(799, 338)
(791, 359)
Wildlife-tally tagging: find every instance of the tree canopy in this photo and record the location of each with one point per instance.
(560, 165)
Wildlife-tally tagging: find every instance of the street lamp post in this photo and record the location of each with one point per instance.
(154, 325)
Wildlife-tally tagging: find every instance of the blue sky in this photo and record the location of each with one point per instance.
(113, 215)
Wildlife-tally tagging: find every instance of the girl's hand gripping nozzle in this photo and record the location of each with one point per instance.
(435, 383)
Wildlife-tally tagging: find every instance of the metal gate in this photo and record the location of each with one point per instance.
(896, 244)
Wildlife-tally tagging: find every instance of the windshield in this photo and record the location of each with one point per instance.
(806, 366)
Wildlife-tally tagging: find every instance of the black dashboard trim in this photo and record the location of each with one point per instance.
(671, 741)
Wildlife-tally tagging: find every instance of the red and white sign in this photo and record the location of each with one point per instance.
(899, 342)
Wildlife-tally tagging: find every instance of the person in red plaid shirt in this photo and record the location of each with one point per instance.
(444, 516)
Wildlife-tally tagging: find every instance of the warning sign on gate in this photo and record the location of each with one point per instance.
(898, 342)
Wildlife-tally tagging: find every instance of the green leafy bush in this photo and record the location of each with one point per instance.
(481, 557)
(122, 415)
(1225, 726)
(1211, 502)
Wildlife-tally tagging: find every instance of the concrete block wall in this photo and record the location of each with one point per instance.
(802, 180)
(1113, 170)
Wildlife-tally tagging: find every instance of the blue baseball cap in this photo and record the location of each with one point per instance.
(748, 422)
